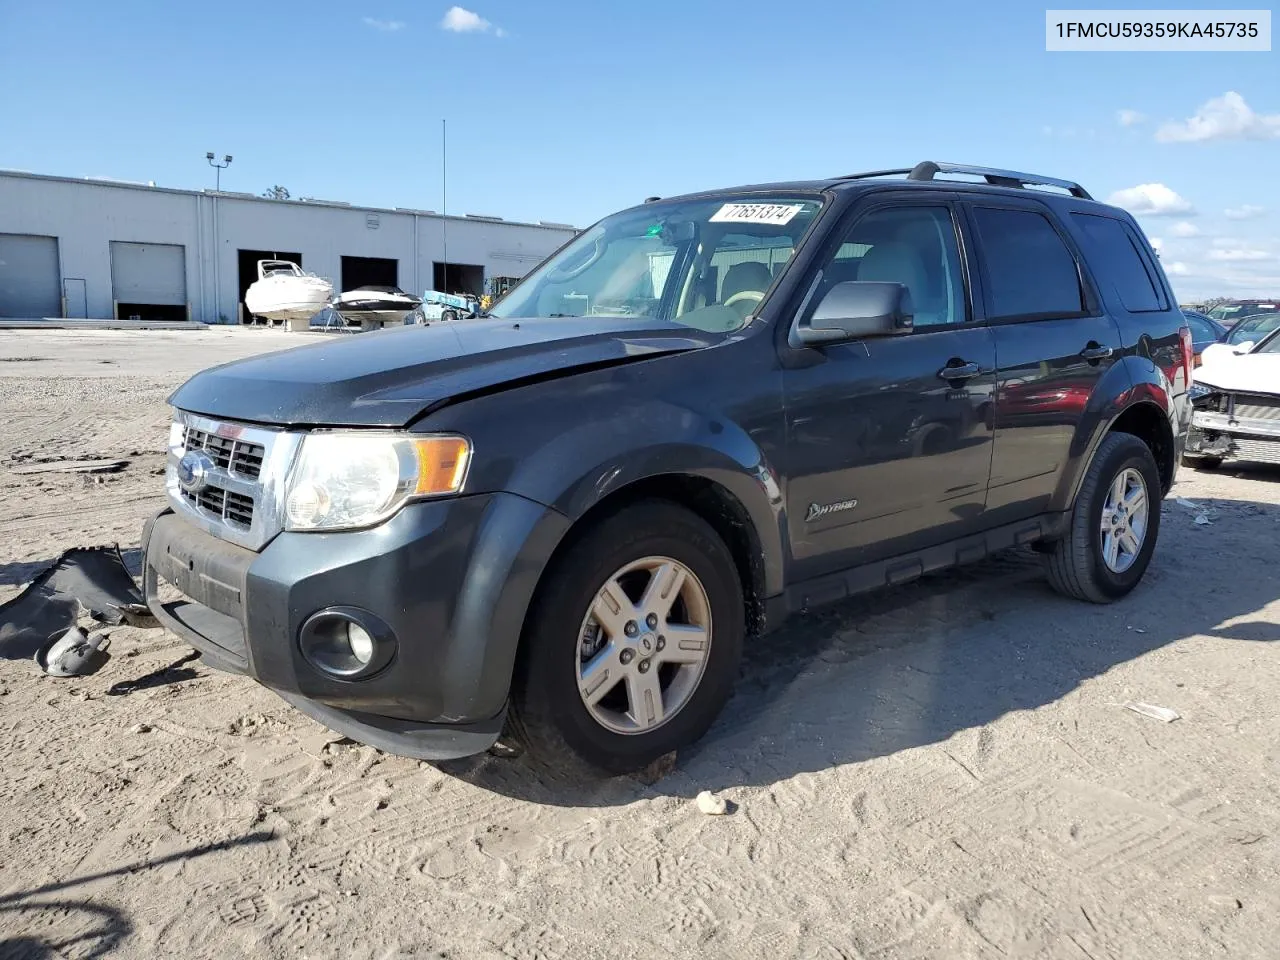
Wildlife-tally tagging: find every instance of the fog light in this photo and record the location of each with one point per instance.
(346, 643)
(360, 642)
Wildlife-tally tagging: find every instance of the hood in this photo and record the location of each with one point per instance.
(389, 378)
(1242, 373)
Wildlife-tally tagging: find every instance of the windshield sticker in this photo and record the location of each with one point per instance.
(774, 213)
(654, 230)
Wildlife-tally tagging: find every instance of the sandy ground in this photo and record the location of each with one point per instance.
(945, 770)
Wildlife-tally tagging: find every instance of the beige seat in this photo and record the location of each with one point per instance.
(893, 261)
(744, 286)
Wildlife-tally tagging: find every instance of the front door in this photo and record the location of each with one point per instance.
(888, 449)
(1054, 342)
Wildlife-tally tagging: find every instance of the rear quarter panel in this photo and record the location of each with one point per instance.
(1152, 361)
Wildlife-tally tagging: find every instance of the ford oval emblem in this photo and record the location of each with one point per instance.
(193, 470)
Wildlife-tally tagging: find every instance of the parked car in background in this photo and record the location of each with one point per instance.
(704, 414)
(1229, 314)
(1204, 332)
(1252, 329)
(1236, 405)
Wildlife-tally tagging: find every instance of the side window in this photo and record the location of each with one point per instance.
(914, 246)
(1112, 253)
(1031, 271)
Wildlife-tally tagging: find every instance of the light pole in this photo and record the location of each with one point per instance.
(444, 199)
(226, 162)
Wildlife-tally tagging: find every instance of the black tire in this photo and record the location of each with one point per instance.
(448, 315)
(1074, 564)
(547, 713)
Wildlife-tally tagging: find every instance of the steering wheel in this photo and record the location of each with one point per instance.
(755, 296)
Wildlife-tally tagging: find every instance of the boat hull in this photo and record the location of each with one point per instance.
(287, 298)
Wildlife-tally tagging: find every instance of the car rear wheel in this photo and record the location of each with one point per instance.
(448, 315)
(632, 646)
(1114, 524)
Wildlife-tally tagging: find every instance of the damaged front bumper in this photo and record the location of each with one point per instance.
(446, 583)
(1221, 436)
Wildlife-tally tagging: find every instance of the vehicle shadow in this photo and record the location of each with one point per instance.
(914, 665)
(93, 929)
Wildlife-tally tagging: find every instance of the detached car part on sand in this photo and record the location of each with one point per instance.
(701, 415)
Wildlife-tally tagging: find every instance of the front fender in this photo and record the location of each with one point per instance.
(585, 464)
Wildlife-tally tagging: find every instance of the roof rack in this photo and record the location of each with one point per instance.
(927, 170)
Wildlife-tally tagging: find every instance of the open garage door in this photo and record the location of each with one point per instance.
(30, 286)
(149, 280)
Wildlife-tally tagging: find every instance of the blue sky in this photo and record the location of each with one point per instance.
(568, 110)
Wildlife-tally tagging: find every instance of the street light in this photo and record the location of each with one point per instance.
(226, 162)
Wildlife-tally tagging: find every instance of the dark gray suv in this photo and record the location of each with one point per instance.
(701, 415)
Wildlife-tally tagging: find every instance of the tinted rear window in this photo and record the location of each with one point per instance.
(1031, 272)
(1112, 252)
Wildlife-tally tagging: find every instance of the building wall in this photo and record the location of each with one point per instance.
(87, 215)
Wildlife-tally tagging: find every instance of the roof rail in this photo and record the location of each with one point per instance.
(927, 170)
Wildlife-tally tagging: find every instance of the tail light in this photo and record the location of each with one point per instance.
(1188, 351)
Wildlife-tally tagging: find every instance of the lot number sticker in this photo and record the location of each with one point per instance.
(775, 213)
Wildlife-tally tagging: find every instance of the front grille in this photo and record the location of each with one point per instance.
(234, 456)
(235, 508)
(1252, 406)
(238, 499)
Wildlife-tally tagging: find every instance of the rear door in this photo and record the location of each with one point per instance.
(1053, 343)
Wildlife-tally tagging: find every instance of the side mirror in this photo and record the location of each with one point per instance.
(857, 309)
(1243, 347)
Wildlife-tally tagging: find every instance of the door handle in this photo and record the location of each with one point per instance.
(959, 371)
(1095, 351)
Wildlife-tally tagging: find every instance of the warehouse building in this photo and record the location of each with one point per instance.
(105, 249)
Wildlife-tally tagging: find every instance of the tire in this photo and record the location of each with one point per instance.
(448, 315)
(1075, 564)
(550, 715)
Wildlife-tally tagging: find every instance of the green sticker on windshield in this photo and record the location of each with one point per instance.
(654, 230)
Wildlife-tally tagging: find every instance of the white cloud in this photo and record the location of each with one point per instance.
(1184, 229)
(461, 20)
(1239, 255)
(1151, 200)
(1246, 211)
(1226, 117)
(1156, 244)
(386, 26)
(1129, 118)
(1176, 269)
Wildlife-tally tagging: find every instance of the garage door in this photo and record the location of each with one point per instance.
(29, 283)
(151, 273)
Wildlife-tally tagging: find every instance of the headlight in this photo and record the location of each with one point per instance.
(346, 480)
(1199, 390)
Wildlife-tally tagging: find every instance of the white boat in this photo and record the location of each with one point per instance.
(375, 306)
(283, 292)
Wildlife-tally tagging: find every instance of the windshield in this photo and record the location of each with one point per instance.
(1253, 328)
(1235, 311)
(1270, 345)
(700, 263)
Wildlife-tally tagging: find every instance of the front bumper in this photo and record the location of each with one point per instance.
(453, 580)
(1222, 436)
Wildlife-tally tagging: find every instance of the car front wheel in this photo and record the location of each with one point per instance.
(633, 644)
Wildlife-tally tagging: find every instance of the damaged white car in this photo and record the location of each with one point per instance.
(1236, 403)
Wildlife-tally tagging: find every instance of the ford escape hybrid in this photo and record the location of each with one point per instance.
(699, 416)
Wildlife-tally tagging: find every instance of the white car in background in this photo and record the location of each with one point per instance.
(1236, 404)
